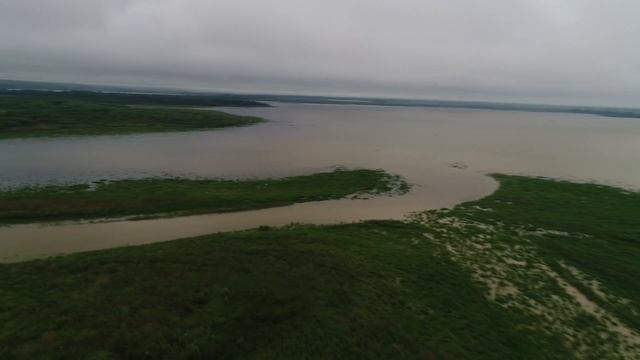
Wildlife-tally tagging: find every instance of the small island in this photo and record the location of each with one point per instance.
(156, 197)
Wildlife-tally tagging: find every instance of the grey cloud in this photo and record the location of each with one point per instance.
(551, 51)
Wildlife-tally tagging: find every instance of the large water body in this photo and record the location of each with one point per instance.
(444, 153)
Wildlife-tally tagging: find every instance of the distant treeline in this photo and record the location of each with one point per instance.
(136, 99)
(592, 110)
(147, 96)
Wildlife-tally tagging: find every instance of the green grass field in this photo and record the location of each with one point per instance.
(360, 291)
(180, 196)
(38, 114)
(567, 255)
(540, 269)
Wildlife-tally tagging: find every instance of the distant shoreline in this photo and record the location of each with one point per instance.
(257, 99)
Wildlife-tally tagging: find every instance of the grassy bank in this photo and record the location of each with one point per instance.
(540, 269)
(565, 256)
(156, 196)
(361, 291)
(34, 114)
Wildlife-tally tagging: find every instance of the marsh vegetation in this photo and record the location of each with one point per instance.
(541, 268)
(38, 114)
(182, 196)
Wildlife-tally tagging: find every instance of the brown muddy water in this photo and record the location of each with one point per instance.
(444, 153)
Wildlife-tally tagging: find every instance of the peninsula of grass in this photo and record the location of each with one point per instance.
(181, 196)
(41, 114)
(589, 233)
(540, 269)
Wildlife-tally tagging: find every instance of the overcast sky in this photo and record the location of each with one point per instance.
(541, 51)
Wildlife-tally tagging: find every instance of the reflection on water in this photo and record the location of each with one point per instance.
(419, 144)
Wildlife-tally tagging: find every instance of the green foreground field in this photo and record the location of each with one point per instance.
(539, 269)
(154, 197)
(40, 114)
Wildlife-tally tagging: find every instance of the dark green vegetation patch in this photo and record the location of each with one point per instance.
(564, 256)
(179, 196)
(540, 269)
(591, 227)
(360, 291)
(32, 114)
